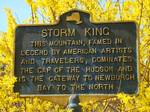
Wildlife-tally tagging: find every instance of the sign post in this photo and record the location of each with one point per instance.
(76, 56)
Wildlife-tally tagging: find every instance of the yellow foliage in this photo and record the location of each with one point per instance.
(48, 11)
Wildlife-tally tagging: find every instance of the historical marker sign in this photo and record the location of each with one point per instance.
(76, 56)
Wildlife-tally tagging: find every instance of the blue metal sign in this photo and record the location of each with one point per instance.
(76, 56)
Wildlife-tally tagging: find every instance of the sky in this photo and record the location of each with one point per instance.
(20, 9)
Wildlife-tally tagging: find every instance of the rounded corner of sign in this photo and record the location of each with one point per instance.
(17, 27)
(136, 91)
(135, 23)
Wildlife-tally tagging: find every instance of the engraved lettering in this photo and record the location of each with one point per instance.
(101, 86)
(27, 61)
(97, 31)
(28, 70)
(58, 32)
(34, 53)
